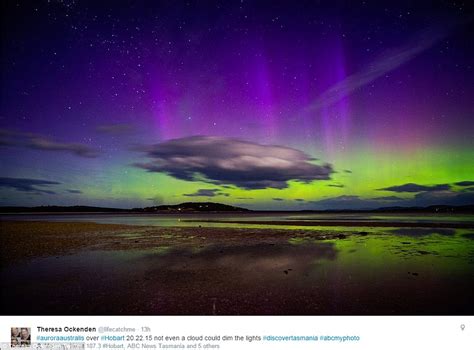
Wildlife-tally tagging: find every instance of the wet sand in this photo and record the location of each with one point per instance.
(87, 268)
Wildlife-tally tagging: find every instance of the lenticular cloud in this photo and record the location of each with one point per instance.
(228, 161)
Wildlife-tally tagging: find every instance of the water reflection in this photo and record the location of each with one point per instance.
(173, 280)
(253, 259)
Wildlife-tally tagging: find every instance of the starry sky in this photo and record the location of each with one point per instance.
(260, 104)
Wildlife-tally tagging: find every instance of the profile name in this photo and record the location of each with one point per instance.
(66, 329)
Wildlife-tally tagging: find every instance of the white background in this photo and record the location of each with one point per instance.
(376, 332)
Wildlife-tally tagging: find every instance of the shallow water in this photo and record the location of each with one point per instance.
(239, 219)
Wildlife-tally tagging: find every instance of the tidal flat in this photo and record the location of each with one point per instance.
(254, 267)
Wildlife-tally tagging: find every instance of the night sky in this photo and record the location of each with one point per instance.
(261, 104)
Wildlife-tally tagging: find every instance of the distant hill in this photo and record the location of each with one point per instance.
(202, 207)
(190, 207)
(187, 207)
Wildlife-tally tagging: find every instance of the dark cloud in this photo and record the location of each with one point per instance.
(244, 198)
(116, 129)
(336, 185)
(75, 191)
(27, 185)
(77, 149)
(412, 187)
(6, 137)
(203, 192)
(426, 195)
(13, 138)
(278, 199)
(348, 171)
(299, 199)
(33, 141)
(228, 161)
(464, 183)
